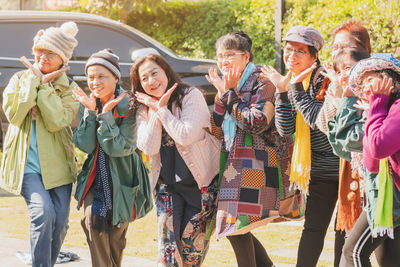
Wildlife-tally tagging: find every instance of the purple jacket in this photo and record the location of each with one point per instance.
(382, 135)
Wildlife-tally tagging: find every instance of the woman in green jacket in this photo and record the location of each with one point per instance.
(38, 155)
(113, 184)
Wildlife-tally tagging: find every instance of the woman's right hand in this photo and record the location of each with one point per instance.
(215, 80)
(276, 78)
(147, 100)
(88, 102)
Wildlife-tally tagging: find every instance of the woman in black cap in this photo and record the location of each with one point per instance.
(315, 169)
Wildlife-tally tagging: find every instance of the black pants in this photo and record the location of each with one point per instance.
(321, 203)
(359, 246)
(186, 202)
(249, 251)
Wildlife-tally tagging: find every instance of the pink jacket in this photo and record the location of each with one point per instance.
(382, 135)
(186, 128)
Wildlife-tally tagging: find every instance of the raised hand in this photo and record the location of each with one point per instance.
(382, 86)
(166, 96)
(215, 80)
(52, 75)
(29, 65)
(330, 73)
(147, 100)
(231, 79)
(276, 78)
(113, 102)
(362, 104)
(299, 78)
(88, 102)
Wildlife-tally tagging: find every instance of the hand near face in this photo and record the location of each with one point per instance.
(231, 79)
(52, 75)
(88, 102)
(362, 104)
(279, 81)
(44, 78)
(382, 86)
(147, 100)
(113, 102)
(300, 78)
(165, 98)
(215, 80)
(330, 73)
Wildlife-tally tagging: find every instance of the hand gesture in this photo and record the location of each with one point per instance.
(52, 75)
(279, 81)
(231, 79)
(382, 86)
(347, 92)
(88, 102)
(215, 80)
(334, 91)
(113, 102)
(29, 65)
(362, 104)
(330, 73)
(147, 100)
(166, 96)
(300, 78)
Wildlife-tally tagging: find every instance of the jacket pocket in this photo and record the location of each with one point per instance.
(124, 202)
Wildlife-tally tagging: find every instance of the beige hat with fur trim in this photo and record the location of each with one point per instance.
(60, 40)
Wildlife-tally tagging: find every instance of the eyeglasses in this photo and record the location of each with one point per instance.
(296, 52)
(228, 56)
(342, 46)
(50, 55)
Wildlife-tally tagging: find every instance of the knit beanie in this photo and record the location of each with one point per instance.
(59, 40)
(107, 59)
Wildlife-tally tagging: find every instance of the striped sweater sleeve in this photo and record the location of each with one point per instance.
(285, 116)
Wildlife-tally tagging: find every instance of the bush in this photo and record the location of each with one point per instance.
(191, 28)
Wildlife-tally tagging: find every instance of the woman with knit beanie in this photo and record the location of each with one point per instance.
(315, 169)
(174, 128)
(38, 157)
(376, 83)
(113, 185)
(254, 159)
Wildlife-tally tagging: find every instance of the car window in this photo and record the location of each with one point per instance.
(93, 38)
(20, 36)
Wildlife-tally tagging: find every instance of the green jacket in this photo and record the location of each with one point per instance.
(56, 109)
(345, 134)
(117, 137)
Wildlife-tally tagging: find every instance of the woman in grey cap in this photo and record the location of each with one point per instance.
(38, 160)
(113, 185)
(315, 169)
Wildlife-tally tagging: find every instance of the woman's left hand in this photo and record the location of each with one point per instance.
(166, 96)
(231, 79)
(113, 102)
(362, 104)
(382, 86)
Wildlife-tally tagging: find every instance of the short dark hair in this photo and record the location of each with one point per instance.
(237, 40)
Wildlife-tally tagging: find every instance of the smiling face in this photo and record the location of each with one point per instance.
(153, 79)
(297, 57)
(228, 58)
(343, 70)
(101, 82)
(47, 60)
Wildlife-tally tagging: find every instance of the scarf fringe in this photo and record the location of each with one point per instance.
(383, 230)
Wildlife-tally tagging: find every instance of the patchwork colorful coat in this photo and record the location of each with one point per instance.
(255, 186)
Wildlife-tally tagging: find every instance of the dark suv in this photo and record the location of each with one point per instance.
(19, 27)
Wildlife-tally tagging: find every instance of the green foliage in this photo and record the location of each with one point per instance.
(191, 28)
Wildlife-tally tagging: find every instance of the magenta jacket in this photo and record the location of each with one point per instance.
(382, 135)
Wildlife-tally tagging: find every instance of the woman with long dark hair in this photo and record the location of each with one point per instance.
(174, 128)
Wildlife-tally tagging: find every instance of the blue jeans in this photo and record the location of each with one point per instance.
(49, 211)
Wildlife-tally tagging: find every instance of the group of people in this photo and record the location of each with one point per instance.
(274, 148)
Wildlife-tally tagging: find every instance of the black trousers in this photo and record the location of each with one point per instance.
(359, 246)
(249, 251)
(321, 203)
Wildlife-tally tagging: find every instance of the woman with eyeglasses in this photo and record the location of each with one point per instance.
(315, 169)
(254, 187)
